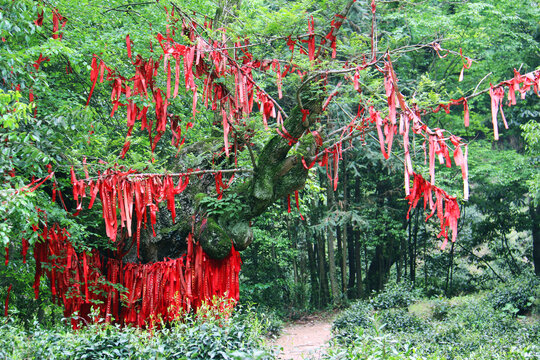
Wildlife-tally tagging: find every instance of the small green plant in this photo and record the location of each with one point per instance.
(230, 205)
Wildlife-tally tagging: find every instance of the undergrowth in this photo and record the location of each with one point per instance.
(239, 336)
(487, 326)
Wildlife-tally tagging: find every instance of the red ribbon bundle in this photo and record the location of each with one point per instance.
(155, 293)
(125, 191)
(445, 205)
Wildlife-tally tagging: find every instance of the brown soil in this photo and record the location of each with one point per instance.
(304, 339)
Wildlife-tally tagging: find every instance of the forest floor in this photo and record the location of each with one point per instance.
(305, 338)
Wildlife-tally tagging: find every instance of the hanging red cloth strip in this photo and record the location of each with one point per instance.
(7, 301)
(155, 292)
(446, 206)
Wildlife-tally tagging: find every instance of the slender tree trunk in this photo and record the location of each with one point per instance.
(303, 268)
(292, 242)
(358, 259)
(535, 216)
(452, 271)
(510, 260)
(332, 267)
(398, 263)
(344, 234)
(256, 261)
(352, 262)
(339, 252)
(323, 279)
(405, 250)
(315, 293)
(330, 236)
(425, 258)
(344, 261)
(413, 249)
(366, 263)
(448, 286)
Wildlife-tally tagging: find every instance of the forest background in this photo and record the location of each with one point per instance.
(350, 241)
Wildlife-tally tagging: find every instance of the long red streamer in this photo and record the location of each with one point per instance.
(156, 293)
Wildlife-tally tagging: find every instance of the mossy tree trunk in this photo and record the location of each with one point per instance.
(276, 174)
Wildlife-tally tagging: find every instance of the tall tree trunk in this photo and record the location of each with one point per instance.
(332, 267)
(448, 284)
(344, 261)
(339, 251)
(344, 234)
(358, 260)
(379, 268)
(315, 293)
(413, 244)
(375, 273)
(323, 279)
(535, 216)
(330, 236)
(425, 258)
(404, 247)
(292, 242)
(303, 269)
(352, 262)
(398, 263)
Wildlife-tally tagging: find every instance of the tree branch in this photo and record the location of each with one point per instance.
(118, 8)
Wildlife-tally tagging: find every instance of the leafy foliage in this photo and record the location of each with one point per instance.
(359, 314)
(517, 297)
(395, 295)
(471, 329)
(203, 337)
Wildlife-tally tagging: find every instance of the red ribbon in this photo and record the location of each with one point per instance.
(7, 301)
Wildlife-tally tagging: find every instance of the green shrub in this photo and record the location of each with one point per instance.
(517, 297)
(395, 320)
(464, 328)
(367, 346)
(395, 295)
(266, 322)
(440, 308)
(358, 315)
(195, 338)
(477, 315)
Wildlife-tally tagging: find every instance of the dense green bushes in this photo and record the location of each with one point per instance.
(471, 327)
(202, 338)
(358, 315)
(395, 295)
(519, 297)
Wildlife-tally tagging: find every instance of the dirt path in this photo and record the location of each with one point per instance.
(304, 339)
